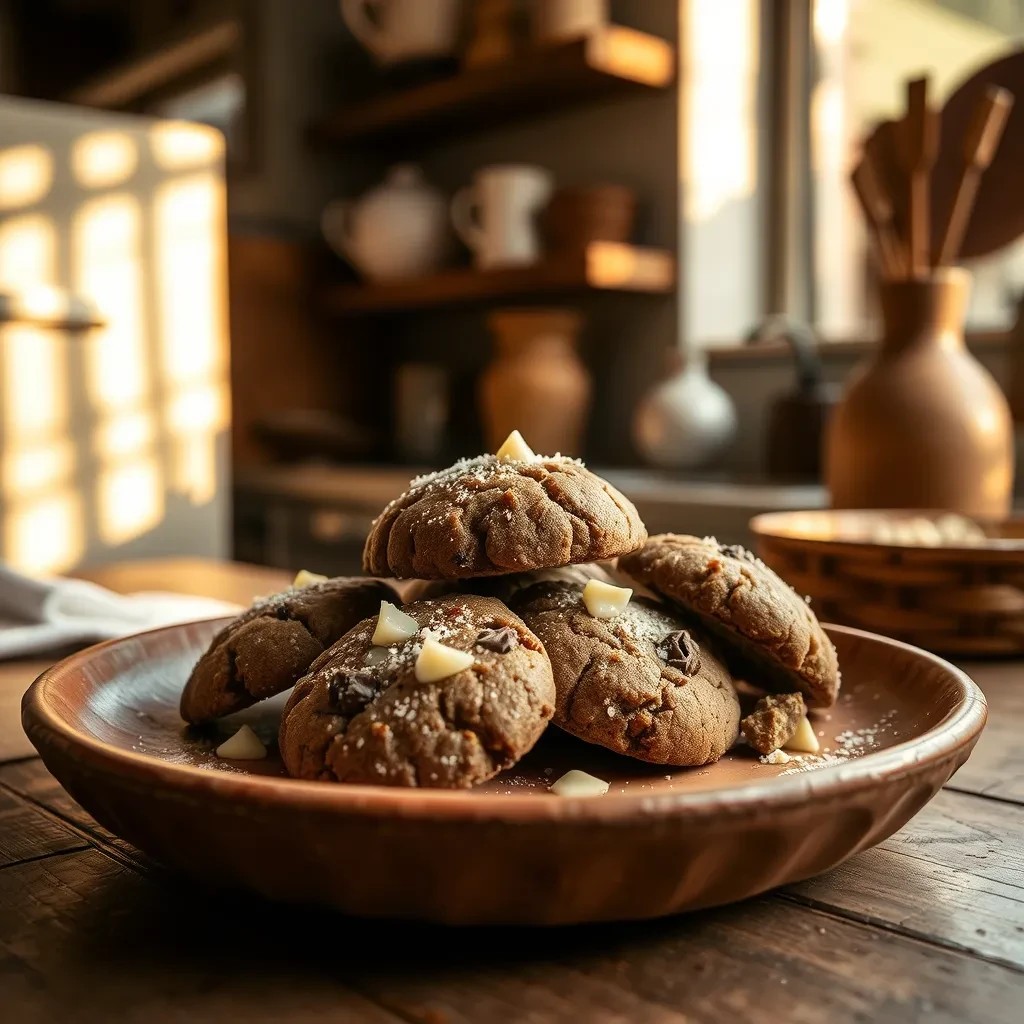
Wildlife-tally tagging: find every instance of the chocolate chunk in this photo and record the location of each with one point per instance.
(682, 652)
(737, 551)
(501, 641)
(350, 692)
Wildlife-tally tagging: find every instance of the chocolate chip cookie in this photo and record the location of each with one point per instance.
(770, 635)
(640, 683)
(371, 714)
(267, 648)
(488, 516)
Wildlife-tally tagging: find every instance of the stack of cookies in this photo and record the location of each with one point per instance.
(535, 596)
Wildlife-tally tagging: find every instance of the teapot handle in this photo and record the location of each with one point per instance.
(464, 217)
(336, 224)
(361, 24)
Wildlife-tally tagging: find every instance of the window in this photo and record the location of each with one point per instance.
(863, 51)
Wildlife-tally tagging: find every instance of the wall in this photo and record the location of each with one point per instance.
(113, 444)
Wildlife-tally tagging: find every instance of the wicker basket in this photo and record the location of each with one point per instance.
(951, 600)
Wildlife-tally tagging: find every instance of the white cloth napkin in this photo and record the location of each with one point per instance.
(40, 615)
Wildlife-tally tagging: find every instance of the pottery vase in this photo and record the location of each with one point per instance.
(536, 382)
(922, 424)
(685, 420)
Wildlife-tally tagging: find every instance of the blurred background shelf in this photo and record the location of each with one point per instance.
(613, 61)
(601, 266)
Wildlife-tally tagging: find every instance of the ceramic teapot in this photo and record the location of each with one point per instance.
(395, 31)
(395, 231)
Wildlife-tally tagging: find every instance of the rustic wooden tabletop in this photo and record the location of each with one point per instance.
(928, 926)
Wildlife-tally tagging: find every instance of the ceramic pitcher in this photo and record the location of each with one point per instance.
(922, 424)
(497, 216)
(395, 31)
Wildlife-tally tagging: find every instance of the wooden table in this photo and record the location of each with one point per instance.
(928, 926)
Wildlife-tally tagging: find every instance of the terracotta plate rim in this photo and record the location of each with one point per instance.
(954, 733)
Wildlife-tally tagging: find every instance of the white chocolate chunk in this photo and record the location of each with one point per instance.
(604, 601)
(515, 449)
(577, 783)
(776, 757)
(393, 626)
(376, 656)
(305, 578)
(436, 661)
(803, 740)
(245, 745)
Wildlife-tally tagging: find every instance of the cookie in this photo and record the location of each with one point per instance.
(364, 715)
(270, 646)
(489, 516)
(640, 683)
(770, 635)
(505, 587)
(773, 723)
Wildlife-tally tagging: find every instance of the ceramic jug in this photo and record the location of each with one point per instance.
(395, 231)
(922, 424)
(497, 216)
(536, 382)
(686, 419)
(395, 31)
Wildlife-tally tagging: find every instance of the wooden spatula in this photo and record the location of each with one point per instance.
(980, 144)
(877, 206)
(997, 219)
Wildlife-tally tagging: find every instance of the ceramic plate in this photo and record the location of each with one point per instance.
(106, 724)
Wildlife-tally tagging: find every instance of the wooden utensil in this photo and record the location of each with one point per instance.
(998, 216)
(920, 137)
(882, 147)
(980, 145)
(878, 210)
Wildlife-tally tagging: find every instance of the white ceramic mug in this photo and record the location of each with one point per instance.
(496, 216)
(400, 30)
(559, 20)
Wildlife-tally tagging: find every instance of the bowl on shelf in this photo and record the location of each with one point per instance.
(581, 214)
(948, 584)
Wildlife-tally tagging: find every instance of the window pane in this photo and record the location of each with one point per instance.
(865, 50)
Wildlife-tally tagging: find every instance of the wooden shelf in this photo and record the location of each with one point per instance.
(602, 266)
(611, 62)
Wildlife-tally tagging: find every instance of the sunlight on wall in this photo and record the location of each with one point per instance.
(26, 175)
(107, 437)
(126, 435)
(45, 535)
(33, 361)
(719, 66)
(37, 468)
(28, 252)
(130, 499)
(104, 159)
(181, 146)
(189, 214)
(106, 249)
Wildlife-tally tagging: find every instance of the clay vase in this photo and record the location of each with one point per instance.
(685, 420)
(536, 382)
(922, 424)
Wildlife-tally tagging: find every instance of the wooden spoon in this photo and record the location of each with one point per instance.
(980, 145)
(998, 216)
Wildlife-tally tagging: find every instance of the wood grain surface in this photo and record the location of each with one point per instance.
(927, 926)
